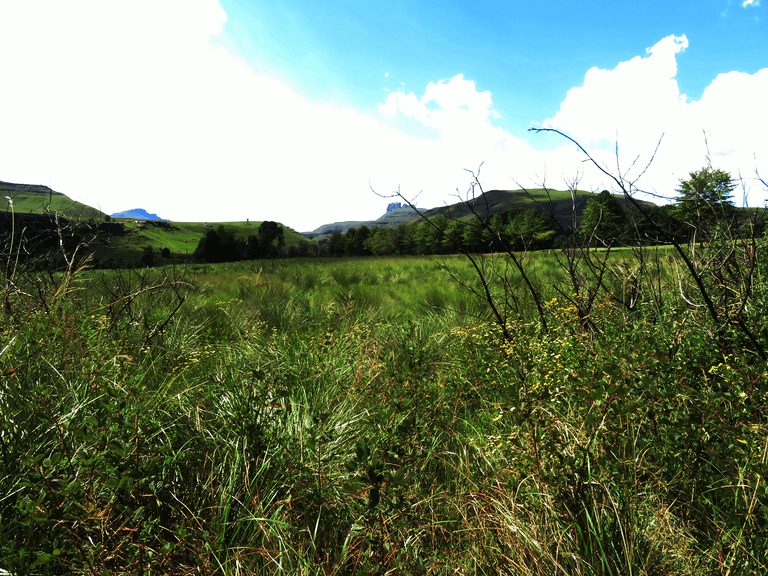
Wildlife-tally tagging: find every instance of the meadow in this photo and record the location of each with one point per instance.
(371, 416)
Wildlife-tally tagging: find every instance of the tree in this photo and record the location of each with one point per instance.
(382, 242)
(529, 229)
(705, 197)
(661, 224)
(454, 233)
(147, 256)
(336, 244)
(218, 245)
(473, 237)
(603, 219)
(363, 233)
(252, 248)
(210, 247)
(350, 242)
(429, 235)
(271, 239)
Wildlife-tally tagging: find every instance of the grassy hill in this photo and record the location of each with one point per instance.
(559, 203)
(126, 239)
(115, 239)
(36, 199)
(123, 240)
(390, 218)
(563, 205)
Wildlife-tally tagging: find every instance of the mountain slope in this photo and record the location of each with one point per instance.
(112, 242)
(37, 199)
(561, 204)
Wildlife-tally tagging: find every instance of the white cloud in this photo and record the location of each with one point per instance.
(454, 108)
(130, 104)
(638, 97)
(639, 101)
(464, 137)
(748, 3)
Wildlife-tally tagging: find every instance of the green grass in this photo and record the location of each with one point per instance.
(364, 416)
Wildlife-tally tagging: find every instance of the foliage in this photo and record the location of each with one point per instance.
(706, 196)
(271, 240)
(604, 220)
(338, 416)
(371, 415)
(221, 244)
(41, 200)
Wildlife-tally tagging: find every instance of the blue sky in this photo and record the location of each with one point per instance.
(528, 54)
(213, 111)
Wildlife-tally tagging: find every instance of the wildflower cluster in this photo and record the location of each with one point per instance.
(721, 366)
(561, 311)
(227, 305)
(194, 356)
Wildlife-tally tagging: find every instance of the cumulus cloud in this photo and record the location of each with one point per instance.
(134, 104)
(465, 135)
(635, 105)
(748, 3)
(131, 104)
(639, 101)
(638, 97)
(455, 108)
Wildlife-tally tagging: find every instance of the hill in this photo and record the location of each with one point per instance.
(390, 218)
(126, 240)
(113, 241)
(37, 199)
(122, 239)
(561, 204)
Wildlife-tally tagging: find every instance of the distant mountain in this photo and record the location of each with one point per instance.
(395, 214)
(138, 214)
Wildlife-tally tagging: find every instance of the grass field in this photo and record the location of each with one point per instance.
(365, 416)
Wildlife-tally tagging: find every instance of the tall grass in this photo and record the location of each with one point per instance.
(366, 417)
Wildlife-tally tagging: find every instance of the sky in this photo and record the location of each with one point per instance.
(308, 113)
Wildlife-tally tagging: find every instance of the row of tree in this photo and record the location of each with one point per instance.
(221, 245)
(704, 203)
(704, 200)
(521, 228)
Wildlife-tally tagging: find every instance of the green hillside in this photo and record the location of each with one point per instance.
(558, 203)
(563, 205)
(127, 239)
(122, 241)
(115, 240)
(36, 199)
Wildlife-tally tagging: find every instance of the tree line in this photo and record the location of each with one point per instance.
(704, 201)
(523, 227)
(221, 245)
